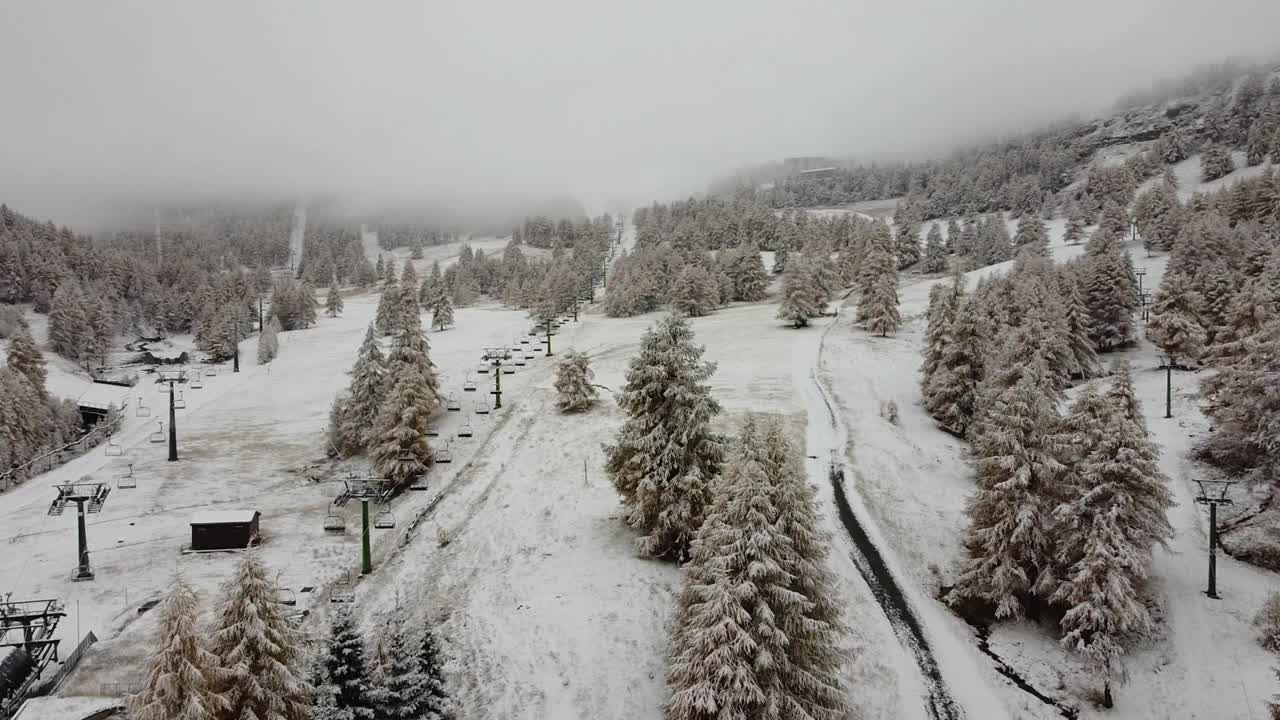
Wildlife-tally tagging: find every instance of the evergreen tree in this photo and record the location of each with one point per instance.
(1008, 538)
(953, 235)
(878, 305)
(944, 304)
(388, 315)
(70, 333)
(1256, 146)
(180, 671)
(257, 650)
(399, 450)
(346, 669)
(1174, 325)
(268, 342)
(951, 394)
(441, 310)
(400, 695)
(1076, 223)
(908, 245)
(358, 413)
(694, 292)
(1106, 533)
(24, 359)
(435, 694)
(573, 383)
(333, 301)
(1110, 298)
(750, 281)
(1032, 234)
(1114, 219)
(1215, 162)
(801, 298)
(935, 251)
(1084, 363)
(665, 453)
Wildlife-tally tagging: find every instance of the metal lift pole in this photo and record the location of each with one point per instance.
(173, 426)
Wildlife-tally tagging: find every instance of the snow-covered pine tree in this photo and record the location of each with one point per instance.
(1255, 148)
(25, 359)
(435, 693)
(357, 419)
(935, 251)
(346, 669)
(665, 454)
(907, 245)
(951, 395)
(441, 310)
(1106, 533)
(944, 304)
(1009, 514)
(1076, 223)
(1243, 404)
(257, 650)
(180, 670)
(800, 294)
(1114, 219)
(389, 273)
(333, 301)
(388, 315)
(1215, 162)
(1248, 313)
(811, 675)
(1110, 296)
(693, 292)
(400, 694)
(726, 642)
(1032, 235)
(70, 334)
(268, 341)
(880, 304)
(1084, 358)
(573, 383)
(953, 235)
(750, 281)
(399, 449)
(307, 304)
(1174, 325)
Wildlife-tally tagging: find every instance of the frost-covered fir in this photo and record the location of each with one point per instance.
(441, 309)
(70, 333)
(802, 299)
(24, 358)
(257, 650)
(935, 251)
(1032, 235)
(1174, 325)
(952, 389)
(357, 411)
(1110, 296)
(346, 669)
(333, 301)
(387, 319)
(402, 692)
(878, 303)
(437, 704)
(1076, 223)
(399, 449)
(694, 292)
(181, 670)
(666, 454)
(1008, 540)
(269, 341)
(573, 383)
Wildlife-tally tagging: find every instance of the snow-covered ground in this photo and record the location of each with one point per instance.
(545, 609)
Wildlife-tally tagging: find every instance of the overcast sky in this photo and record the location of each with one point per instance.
(647, 98)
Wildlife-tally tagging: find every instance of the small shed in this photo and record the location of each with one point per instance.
(100, 396)
(224, 530)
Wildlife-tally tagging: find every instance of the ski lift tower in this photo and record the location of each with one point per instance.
(1213, 493)
(173, 377)
(89, 497)
(365, 490)
(495, 356)
(32, 624)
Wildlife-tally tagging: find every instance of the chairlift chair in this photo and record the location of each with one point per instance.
(524, 341)
(465, 430)
(126, 481)
(482, 407)
(528, 354)
(469, 385)
(483, 369)
(384, 520)
(210, 371)
(519, 360)
(286, 596)
(179, 402)
(196, 383)
(334, 523)
(344, 590)
(453, 404)
(164, 386)
(508, 370)
(158, 435)
(142, 410)
(433, 431)
(444, 455)
(113, 449)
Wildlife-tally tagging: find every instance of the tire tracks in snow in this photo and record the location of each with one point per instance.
(875, 570)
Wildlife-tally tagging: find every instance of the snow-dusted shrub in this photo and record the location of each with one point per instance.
(1268, 622)
(889, 411)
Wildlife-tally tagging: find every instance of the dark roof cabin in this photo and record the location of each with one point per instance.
(98, 398)
(224, 530)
